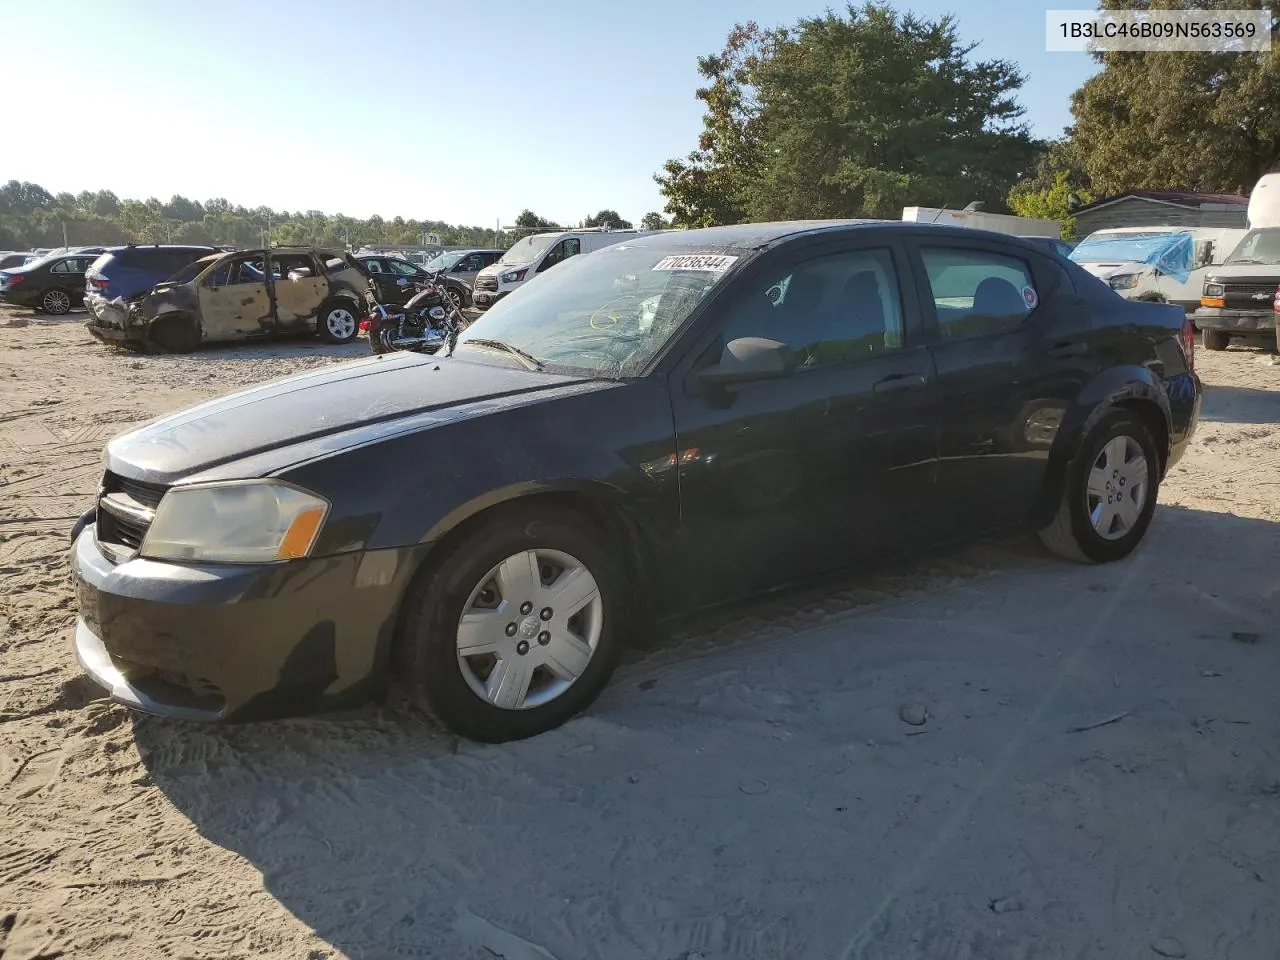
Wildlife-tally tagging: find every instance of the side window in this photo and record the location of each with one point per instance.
(572, 247)
(402, 267)
(247, 271)
(62, 266)
(554, 256)
(374, 266)
(220, 276)
(832, 309)
(468, 264)
(491, 258)
(976, 293)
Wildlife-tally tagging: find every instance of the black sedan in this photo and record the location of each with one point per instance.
(671, 422)
(395, 281)
(53, 284)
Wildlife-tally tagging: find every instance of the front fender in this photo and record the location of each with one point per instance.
(1111, 388)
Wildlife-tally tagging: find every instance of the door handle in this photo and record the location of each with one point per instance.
(900, 381)
(1071, 349)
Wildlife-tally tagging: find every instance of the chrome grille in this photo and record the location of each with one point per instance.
(487, 283)
(1248, 296)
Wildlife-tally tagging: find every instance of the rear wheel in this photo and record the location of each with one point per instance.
(1109, 495)
(380, 339)
(337, 323)
(517, 629)
(1214, 339)
(56, 302)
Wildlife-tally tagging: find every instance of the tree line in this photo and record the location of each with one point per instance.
(31, 217)
(863, 113)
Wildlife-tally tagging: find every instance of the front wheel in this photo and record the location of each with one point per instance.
(1109, 494)
(380, 339)
(517, 629)
(336, 322)
(1214, 339)
(457, 296)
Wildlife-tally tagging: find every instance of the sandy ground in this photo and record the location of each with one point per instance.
(747, 789)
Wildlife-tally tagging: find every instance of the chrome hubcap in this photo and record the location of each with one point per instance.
(341, 323)
(529, 629)
(55, 301)
(1118, 485)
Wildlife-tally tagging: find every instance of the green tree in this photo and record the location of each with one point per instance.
(528, 220)
(607, 218)
(1199, 121)
(180, 208)
(854, 115)
(653, 221)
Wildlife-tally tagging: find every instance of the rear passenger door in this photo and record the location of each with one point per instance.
(1012, 348)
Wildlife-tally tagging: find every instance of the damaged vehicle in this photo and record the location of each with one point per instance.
(672, 422)
(247, 295)
(128, 273)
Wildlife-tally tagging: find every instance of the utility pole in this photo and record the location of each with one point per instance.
(65, 245)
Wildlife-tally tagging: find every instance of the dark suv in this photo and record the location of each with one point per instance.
(126, 273)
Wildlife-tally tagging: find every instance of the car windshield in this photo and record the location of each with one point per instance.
(189, 272)
(1258, 246)
(1117, 246)
(525, 250)
(443, 262)
(606, 314)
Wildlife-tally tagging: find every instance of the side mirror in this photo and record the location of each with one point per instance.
(747, 359)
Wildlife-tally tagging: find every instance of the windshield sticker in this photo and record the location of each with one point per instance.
(1029, 297)
(706, 263)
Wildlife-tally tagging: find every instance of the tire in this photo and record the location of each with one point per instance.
(1214, 339)
(454, 689)
(457, 296)
(1072, 533)
(379, 340)
(337, 322)
(55, 302)
(175, 334)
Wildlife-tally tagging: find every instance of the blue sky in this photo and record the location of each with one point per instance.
(410, 108)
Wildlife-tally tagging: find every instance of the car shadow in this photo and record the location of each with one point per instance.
(1232, 404)
(636, 829)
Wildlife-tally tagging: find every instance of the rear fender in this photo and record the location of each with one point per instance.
(1128, 385)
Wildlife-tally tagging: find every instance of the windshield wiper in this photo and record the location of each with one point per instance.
(529, 360)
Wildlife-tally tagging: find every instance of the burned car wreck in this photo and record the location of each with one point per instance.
(246, 295)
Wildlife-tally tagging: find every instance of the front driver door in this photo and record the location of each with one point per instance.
(784, 479)
(234, 300)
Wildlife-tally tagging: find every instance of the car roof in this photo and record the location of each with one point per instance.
(755, 235)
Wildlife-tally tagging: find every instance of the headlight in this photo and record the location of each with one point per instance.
(1125, 281)
(244, 521)
(1213, 290)
(436, 313)
(514, 276)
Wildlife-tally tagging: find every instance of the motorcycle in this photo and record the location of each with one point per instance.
(422, 325)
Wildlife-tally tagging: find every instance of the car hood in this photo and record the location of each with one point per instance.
(496, 268)
(1245, 272)
(1108, 269)
(324, 411)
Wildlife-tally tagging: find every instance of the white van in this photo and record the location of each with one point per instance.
(540, 252)
(1163, 263)
(1264, 202)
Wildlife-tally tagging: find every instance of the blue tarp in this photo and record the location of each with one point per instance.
(1171, 253)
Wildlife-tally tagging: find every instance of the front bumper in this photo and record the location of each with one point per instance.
(487, 298)
(236, 642)
(1235, 321)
